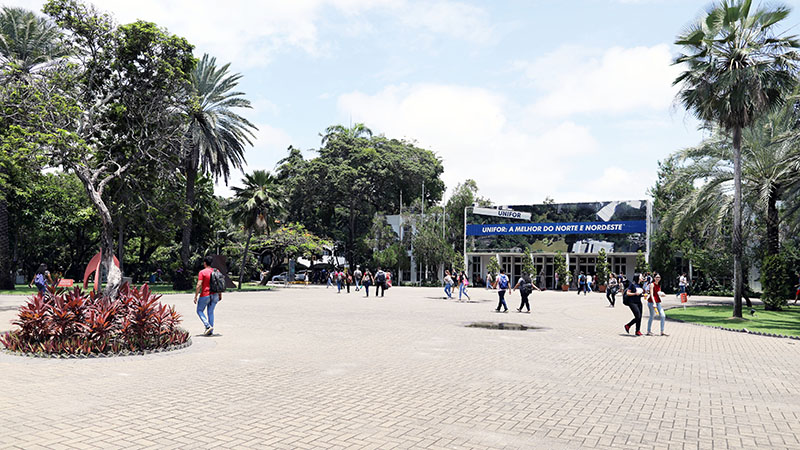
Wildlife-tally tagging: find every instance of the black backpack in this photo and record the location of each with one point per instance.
(527, 286)
(381, 277)
(217, 283)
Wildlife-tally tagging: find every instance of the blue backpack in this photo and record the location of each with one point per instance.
(503, 282)
(39, 281)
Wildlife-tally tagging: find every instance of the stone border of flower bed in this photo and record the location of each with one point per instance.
(735, 330)
(100, 355)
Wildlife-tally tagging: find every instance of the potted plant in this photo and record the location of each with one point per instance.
(602, 270)
(561, 270)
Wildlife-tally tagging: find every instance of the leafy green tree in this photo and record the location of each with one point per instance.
(256, 206)
(428, 245)
(641, 263)
(737, 69)
(494, 266)
(216, 135)
(28, 43)
(292, 240)
(602, 267)
(115, 106)
(561, 268)
(356, 174)
(527, 265)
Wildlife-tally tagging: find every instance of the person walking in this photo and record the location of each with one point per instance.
(380, 282)
(654, 304)
(330, 276)
(357, 275)
(448, 285)
(611, 290)
(501, 284)
(489, 281)
(41, 279)
(682, 283)
(463, 282)
(582, 284)
(208, 300)
(555, 282)
(589, 279)
(526, 287)
(348, 279)
(366, 281)
(633, 299)
(339, 281)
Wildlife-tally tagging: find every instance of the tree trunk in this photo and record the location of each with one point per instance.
(121, 243)
(737, 222)
(773, 222)
(6, 277)
(352, 239)
(244, 258)
(186, 234)
(113, 274)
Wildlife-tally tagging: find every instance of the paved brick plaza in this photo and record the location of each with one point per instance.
(307, 368)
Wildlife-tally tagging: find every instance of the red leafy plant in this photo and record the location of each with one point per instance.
(77, 323)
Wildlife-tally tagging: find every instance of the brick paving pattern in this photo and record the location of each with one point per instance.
(305, 368)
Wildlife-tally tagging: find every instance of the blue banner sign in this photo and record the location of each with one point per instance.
(627, 227)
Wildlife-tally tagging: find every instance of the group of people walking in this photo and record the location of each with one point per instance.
(648, 287)
(449, 282)
(342, 278)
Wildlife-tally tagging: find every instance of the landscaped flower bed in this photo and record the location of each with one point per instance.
(73, 323)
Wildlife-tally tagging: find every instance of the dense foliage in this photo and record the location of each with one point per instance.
(76, 323)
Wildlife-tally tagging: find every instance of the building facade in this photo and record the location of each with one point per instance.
(578, 231)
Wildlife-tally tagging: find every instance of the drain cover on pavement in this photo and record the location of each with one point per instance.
(502, 326)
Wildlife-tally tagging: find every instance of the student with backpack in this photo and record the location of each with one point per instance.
(366, 281)
(380, 282)
(632, 298)
(41, 279)
(526, 287)
(501, 284)
(210, 286)
(581, 284)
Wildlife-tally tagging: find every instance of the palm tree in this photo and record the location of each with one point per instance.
(256, 206)
(770, 167)
(737, 69)
(27, 44)
(216, 136)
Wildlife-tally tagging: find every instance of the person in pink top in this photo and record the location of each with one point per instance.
(654, 303)
(208, 300)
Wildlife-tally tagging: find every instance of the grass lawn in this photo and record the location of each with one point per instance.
(23, 289)
(778, 322)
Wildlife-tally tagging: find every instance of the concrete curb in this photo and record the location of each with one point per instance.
(101, 355)
(735, 330)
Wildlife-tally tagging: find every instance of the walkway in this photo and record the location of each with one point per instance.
(307, 368)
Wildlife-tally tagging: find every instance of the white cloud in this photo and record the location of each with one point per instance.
(251, 33)
(578, 80)
(473, 131)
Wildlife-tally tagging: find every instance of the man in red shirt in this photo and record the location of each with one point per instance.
(208, 299)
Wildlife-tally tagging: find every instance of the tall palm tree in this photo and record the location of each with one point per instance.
(256, 206)
(27, 43)
(770, 168)
(737, 69)
(216, 136)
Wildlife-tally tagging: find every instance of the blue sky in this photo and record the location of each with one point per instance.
(532, 99)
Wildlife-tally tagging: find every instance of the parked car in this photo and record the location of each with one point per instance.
(298, 276)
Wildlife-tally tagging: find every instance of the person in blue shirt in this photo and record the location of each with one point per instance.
(501, 283)
(633, 299)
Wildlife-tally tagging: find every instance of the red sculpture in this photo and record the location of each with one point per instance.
(94, 266)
